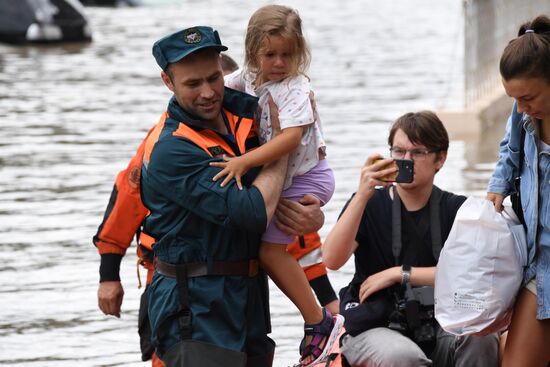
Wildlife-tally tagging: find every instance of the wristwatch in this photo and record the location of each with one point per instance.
(405, 274)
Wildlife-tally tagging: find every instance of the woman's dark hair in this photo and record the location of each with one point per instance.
(422, 128)
(528, 55)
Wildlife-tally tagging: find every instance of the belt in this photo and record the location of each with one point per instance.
(200, 269)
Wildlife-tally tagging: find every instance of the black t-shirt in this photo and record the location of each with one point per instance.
(374, 236)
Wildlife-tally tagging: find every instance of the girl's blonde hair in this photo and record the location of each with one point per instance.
(276, 20)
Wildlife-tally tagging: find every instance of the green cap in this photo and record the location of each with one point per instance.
(178, 45)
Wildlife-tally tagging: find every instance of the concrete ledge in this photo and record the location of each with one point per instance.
(461, 125)
(496, 113)
(488, 115)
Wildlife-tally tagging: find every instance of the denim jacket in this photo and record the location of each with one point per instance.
(535, 197)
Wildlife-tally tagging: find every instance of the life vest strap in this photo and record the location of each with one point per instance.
(139, 262)
(199, 269)
(146, 240)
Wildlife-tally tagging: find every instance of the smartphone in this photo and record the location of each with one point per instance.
(404, 173)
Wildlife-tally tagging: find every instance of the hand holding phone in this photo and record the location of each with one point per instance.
(404, 173)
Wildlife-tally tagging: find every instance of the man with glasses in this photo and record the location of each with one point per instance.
(396, 233)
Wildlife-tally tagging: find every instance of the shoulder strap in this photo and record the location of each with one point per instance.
(521, 149)
(396, 226)
(435, 223)
(515, 198)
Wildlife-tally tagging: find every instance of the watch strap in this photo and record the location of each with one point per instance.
(405, 274)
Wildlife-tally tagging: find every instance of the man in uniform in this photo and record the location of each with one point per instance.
(205, 234)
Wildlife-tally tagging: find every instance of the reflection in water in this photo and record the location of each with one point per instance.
(71, 116)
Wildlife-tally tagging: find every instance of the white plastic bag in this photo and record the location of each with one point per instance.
(480, 269)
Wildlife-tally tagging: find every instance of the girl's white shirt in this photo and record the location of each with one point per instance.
(291, 95)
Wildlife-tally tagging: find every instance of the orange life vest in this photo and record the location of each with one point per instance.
(126, 212)
(307, 251)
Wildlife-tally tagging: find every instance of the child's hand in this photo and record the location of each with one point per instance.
(274, 116)
(233, 167)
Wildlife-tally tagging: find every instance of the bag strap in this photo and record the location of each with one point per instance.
(521, 150)
(302, 241)
(183, 315)
(435, 221)
(184, 311)
(435, 224)
(515, 198)
(396, 226)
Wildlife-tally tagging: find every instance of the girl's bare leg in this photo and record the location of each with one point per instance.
(287, 274)
(527, 344)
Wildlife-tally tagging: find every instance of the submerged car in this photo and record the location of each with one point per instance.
(43, 21)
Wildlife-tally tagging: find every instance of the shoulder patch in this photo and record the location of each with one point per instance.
(134, 176)
(216, 151)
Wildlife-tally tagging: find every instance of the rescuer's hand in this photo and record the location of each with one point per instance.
(109, 297)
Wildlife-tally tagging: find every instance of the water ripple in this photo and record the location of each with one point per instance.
(72, 116)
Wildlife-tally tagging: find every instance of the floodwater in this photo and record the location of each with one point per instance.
(71, 116)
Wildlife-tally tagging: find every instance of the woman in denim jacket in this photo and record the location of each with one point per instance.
(525, 71)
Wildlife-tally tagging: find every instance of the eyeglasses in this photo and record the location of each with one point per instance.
(416, 154)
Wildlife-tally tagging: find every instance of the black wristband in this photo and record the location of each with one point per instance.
(109, 269)
(323, 289)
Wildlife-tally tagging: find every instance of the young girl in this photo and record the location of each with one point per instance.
(525, 71)
(275, 61)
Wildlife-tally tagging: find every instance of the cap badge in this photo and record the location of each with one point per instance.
(192, 36)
